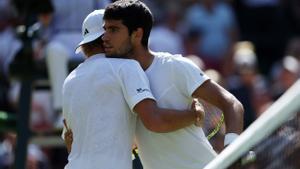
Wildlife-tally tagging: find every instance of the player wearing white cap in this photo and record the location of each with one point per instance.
(99, 97)
(174, 81)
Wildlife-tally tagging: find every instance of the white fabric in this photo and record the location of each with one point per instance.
(98, 97)
(229, 138)
(91, 28)
(173, 79)
(159, 42)
(56, 62)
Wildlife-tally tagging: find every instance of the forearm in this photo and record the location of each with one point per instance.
(234, 114)
(171, 120)
(216, 95)
(163, 120)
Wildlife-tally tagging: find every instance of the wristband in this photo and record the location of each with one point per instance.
(229, 138)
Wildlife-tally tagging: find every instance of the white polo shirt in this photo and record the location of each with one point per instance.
(173, 79)
(98, 97)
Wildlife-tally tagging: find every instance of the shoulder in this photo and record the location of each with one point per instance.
(125, 67)
(174, 59)
(166, 57)
(119, 64)
(122, 62)
(70, 78)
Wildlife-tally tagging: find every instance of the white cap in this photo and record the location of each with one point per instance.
(91, 28)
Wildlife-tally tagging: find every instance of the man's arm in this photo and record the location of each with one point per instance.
(166, 120)
(231, 107)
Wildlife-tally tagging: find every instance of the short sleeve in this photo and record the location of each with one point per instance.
(135, 84)
(187, 75)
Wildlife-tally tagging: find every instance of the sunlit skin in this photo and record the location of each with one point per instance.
(116, 39)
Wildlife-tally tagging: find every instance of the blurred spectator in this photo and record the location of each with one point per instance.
(192, 38)
(7, 150)
(40, 30)
(36, 158)
(262, 22)
(216, 22)
(293, 48)
(9, 45)
(41, 113)
(287, 71)
(165, 36)
(285, 74)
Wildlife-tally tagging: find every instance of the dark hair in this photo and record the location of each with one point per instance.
(134, 14)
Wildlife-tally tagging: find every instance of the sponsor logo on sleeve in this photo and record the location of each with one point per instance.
(140, 90)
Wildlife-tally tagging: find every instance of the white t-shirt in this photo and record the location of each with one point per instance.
(173, 79)
(98, 97)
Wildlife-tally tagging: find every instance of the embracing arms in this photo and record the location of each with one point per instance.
(166, 120)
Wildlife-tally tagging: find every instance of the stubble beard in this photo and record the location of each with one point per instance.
(125, 52)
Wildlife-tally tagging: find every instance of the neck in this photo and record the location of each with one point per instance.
(93, 52)
(143, 56)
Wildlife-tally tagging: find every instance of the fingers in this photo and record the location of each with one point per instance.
(198, 107)
(193, 106)
(69, 136)
(65, 124)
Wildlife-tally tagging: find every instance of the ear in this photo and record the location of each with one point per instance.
(137, 35)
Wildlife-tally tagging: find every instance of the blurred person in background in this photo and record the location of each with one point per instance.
(285, 74)
(9, 42)
(9, 46)
(36, 158)
(165, 36)
(192, 37)
(293, 47)
(7, 147)
(262, 22)
(216, 21)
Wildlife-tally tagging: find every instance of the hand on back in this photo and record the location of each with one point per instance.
(200, 113)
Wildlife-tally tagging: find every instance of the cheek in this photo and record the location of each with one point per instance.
(118, 41)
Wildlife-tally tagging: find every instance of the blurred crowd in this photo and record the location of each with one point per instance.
(250, 47)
